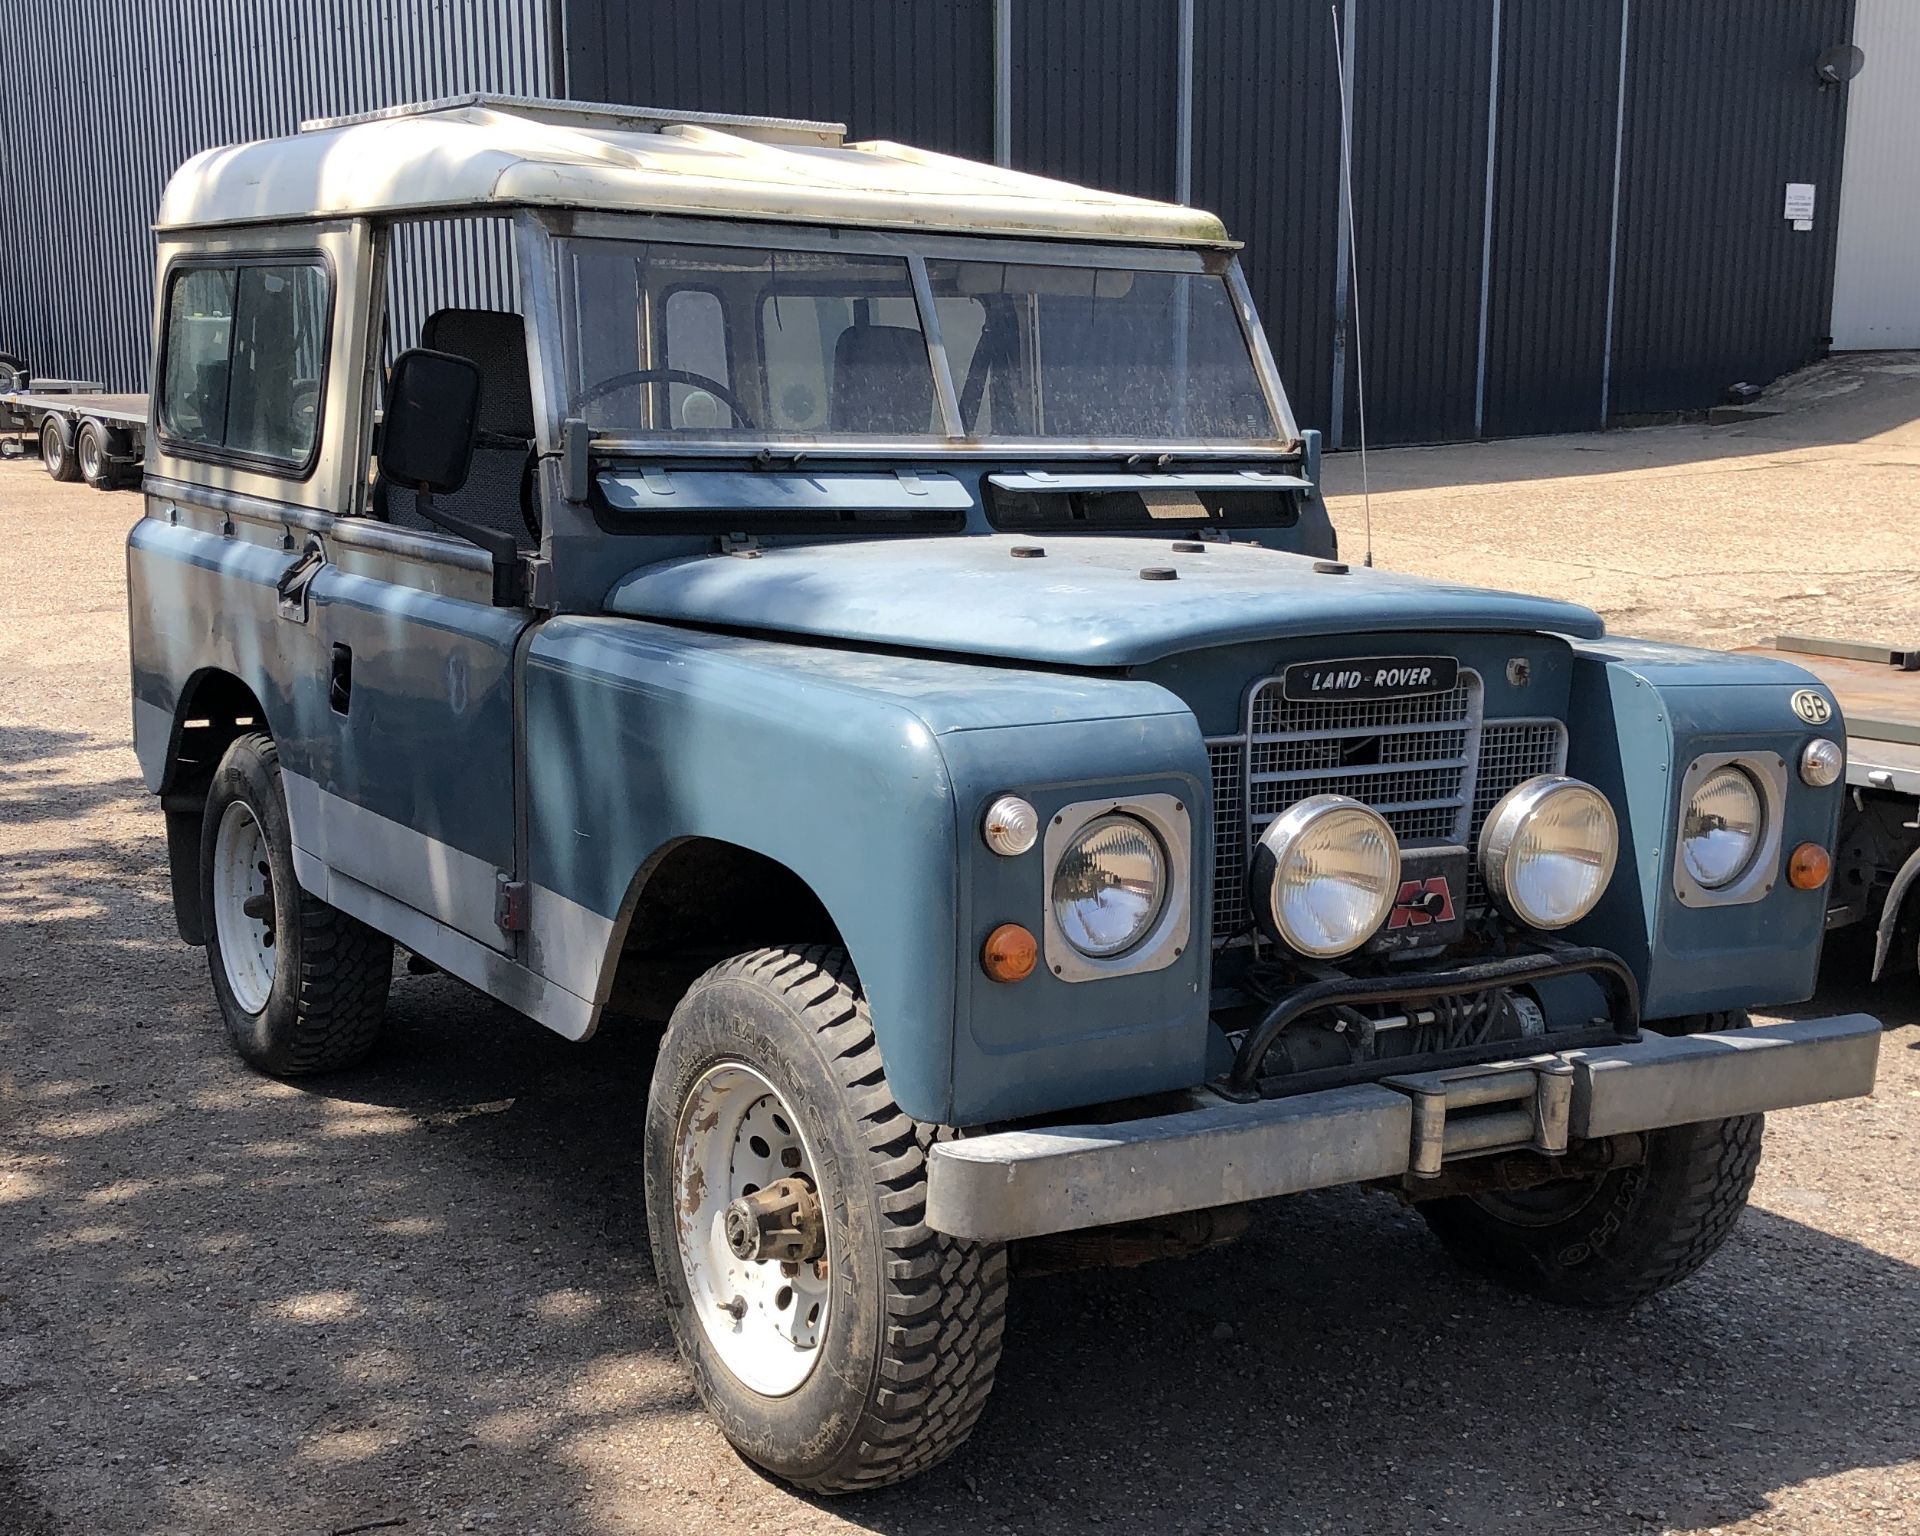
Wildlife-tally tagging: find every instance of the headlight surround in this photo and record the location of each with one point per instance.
(1329, 869)
(1548, 849)
(1724, 827)
(1109, 885)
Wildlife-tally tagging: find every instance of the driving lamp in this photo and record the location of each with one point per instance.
(1109, 885)
(1722, 828)
(1325, 875)
(1548, 849)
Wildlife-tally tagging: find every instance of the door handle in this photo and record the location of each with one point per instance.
(340, 679)
(296, 578)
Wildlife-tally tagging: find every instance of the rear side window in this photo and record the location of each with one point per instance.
(245, 362)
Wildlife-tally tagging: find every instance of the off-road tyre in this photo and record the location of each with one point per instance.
(332, 972)
(1613, 1240)
(915, 1319)
(56, 449)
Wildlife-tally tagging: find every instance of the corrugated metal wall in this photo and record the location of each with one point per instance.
(105, 98)
(1722, 111)
(1266, 158)
(1094, 86)
(1420, 107)
(1552, 212)
(1495, 256)
(896, 69)
(1876, 279)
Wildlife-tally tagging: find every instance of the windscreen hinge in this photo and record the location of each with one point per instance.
(745, 545)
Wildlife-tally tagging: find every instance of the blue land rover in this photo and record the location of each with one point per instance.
(873, 615)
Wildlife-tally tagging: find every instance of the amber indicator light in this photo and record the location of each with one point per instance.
(1809, 867)
(1009, 953)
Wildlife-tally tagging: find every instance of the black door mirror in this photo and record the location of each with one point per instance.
(431, 421)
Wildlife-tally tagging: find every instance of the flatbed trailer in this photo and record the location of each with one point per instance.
(83, 431)
(1876, 874)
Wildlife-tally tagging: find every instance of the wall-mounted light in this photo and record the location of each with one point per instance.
(1838, 64)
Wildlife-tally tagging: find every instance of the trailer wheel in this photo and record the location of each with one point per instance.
(56, 449)
(94, 455)
(839, 1341)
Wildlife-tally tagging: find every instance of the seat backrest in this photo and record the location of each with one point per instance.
(496, 341)
(882, 381)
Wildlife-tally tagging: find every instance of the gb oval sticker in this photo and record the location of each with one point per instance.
(1812, 707)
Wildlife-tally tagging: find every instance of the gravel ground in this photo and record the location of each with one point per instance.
(417, 1297)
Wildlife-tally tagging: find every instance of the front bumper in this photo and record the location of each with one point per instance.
(1015, 1184)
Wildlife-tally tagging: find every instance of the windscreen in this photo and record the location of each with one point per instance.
(751, 343)
(716, 341)
(1096, 353)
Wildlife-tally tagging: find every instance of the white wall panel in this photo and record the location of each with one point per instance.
(1876, 282)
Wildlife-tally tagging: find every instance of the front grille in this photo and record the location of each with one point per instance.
(1430, 765)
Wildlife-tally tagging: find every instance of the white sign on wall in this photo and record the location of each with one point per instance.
(1799, 209)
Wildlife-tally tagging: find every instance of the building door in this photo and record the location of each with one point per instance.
(1876, 281)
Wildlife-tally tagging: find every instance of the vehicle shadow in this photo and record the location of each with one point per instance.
(420, 1290)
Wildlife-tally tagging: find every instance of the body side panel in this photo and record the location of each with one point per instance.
(836, 765)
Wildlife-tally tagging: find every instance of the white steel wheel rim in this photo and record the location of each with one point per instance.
(89, 455)
(241, 874)
(764, 1319)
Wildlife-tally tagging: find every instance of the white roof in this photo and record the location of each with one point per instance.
(494, 152)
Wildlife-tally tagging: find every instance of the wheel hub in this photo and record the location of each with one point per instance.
(781, 1222)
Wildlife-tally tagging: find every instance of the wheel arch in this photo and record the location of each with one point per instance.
(214, 709)
(697, 900)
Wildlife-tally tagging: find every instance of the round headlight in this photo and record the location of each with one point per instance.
(1822, 763)
(1722, 829)
(1547, 850)
(1330, 868)
(1109, 885)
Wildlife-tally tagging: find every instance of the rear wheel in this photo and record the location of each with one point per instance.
(837, 1340)
(56, 449)
(1618, 1237)
(301, 985)
(91, 456)
(94, 455)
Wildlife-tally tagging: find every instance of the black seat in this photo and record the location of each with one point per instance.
(882, 381)
(496, 341)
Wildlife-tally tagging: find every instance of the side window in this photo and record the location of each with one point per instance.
(193, 393)
(246, 361)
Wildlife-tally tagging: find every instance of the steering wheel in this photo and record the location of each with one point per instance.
(669, 376)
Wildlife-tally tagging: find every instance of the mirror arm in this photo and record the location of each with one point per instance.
(502, 546)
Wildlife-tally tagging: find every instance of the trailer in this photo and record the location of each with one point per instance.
(1876, 868)
(82, 431)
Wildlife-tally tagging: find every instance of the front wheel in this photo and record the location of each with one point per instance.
(838, 1341)
(56, 450)
(1615, 1238)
